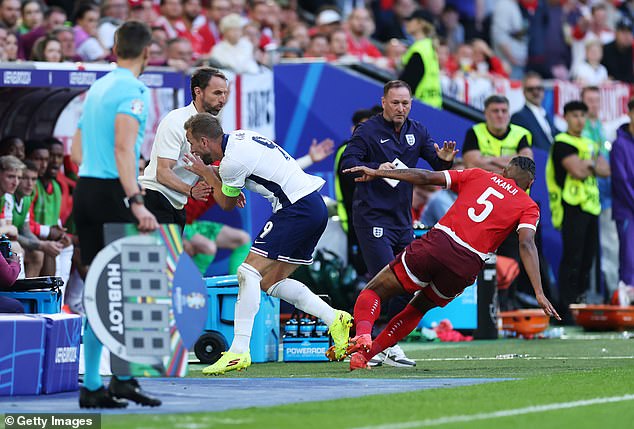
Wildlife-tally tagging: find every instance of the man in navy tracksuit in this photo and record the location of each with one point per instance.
(381, 211)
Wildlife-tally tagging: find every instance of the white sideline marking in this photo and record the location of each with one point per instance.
(502, 413)
(523, 357)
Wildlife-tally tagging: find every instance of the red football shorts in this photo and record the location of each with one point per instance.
(437, 266)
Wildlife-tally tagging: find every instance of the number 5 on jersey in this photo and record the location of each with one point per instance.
(488, 205)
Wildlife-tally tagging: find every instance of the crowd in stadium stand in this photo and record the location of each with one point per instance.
(588, 42)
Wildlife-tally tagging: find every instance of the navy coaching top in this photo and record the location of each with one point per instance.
(374, 142)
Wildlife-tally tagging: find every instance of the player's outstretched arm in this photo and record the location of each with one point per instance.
(415, 176)
(528, 254)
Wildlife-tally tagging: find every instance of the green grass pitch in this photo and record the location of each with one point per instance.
(554, 371)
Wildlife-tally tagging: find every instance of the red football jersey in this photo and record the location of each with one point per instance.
(489, 207)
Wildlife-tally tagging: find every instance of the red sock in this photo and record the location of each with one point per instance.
(366, 311)
(397, 329)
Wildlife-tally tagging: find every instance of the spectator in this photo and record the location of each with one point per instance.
(54, 17)
(462, 61)
(391, 24)
(160, 35)
(47, 49)
(179, 53)
(10, 13)
(210, 32)
(359, 28)
(595, 28)
(485, 61)
(617, 55)
(66, 37)
(622, 167)
(318, 47)
(394, 51)
(590, 72)
(338, 46)
(35, 249)
(234, 51)
(509, 35)
(11, 46)
(12, 145)
(32, 12)
(571, 173)
(450, 28)
(533, 116)
(113, 14)
(291, 48)
(158, 57)
(9, 271)
(193, 21)
(3, 41)
(87, 45)
(142, 10)
(327, 21)
(421, 70)
(239, 7)
(171, 18)
(548, 50)
(608, 236)
(300, 33)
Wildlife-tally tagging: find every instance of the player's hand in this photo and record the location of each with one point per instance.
(200, 191)
(147, 221)
(322, 150)
(242, 201)
(51, 248)
(448, 151)
(547, 306)
(367, 173)
(387, 166)
(195, 164)
(56, 233)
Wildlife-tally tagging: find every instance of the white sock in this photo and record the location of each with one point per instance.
(301, 297)
(247, 307)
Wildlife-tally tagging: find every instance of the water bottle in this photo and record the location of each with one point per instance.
(306, 326)
(291, 328)
(321, 329)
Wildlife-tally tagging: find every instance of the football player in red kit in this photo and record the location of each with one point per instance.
(443, 262)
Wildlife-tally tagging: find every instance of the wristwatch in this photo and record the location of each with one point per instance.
(134, 199)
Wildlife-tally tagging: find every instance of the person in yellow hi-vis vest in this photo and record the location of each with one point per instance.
(491, 145)
(571, 176)
(421, 69)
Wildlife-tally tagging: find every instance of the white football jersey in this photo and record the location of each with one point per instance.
(255, 162)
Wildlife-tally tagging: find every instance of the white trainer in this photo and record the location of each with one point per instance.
(395, 356)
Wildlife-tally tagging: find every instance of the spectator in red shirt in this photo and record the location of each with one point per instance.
(360, 25)
(53, 17)
(210, 32)
(193, 21)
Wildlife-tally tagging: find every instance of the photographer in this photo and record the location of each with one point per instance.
(9, 270)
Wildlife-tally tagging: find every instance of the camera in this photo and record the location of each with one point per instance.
(5, 246)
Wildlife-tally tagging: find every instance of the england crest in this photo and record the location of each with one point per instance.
(410, 139)
(377, 231)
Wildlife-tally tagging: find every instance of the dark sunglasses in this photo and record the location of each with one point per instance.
(534, 88)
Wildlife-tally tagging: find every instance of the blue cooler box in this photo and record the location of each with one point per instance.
(61, 362)
(37, 301)
(22, 341)
(223, 293)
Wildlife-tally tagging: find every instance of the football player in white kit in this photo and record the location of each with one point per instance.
(288, 239)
